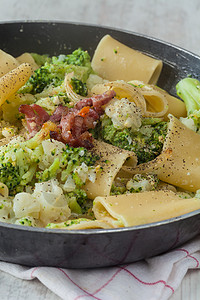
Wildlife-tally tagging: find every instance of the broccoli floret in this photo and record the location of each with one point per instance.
(51, 75)
(53, 71)
(77, 58)
(78, 201)
(80, 195)
(42, 78)
(77, 156)
(147, 143)
(10, 175)
(79, 87)
(188, 89)
(49, 173)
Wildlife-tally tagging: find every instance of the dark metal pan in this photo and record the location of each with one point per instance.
(97, 247)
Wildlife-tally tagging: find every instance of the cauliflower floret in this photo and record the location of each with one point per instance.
(52, 149)
(94, 79)
(47, 203)
(124, 114)
(25, 204)
(53, 203)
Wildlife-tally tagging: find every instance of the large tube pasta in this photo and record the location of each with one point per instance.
(175, 105)
(179, 162)
(11, 82)
(112, 159)
(114, 61)
(27, 58)
(7, 63)
(142, 208)
(158, 100)
(149, 99)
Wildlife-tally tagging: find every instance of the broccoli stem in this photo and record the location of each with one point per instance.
(188, 89)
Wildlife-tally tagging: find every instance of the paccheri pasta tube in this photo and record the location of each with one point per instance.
(179, 162)
(111, 161)
(113, 60)
(150, 100)
(153, 96)
(142, 208)
(12, 81)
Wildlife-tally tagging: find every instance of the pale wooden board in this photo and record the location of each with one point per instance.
(175, 21)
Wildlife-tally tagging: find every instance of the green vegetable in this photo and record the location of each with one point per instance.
(20, 163)
(74, 157)
(78, 201)
(188, 89)
(147, 143)
(53, 71)
(77, 58)
(49, 173)
(79, 87)
(10, 175)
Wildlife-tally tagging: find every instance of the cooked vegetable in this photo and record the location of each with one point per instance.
(37, 160)
(79, 87)
(52, 72)
(147, 142)
(142, 182)
(188, 89)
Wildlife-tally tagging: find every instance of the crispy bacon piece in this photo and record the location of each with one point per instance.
(96, 101)
(84, 102)
(59, 112)
(91, 118)
(35, 116)
(74, 123)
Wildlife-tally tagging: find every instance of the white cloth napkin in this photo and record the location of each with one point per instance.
(152, 279)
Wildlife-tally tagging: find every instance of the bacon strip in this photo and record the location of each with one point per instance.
(35, 116)
(73, 123)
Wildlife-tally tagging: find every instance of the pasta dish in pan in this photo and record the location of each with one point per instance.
(96, 143)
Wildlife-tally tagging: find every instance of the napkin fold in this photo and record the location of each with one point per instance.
(155, 278)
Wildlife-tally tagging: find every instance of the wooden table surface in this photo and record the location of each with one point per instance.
(175, 21)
